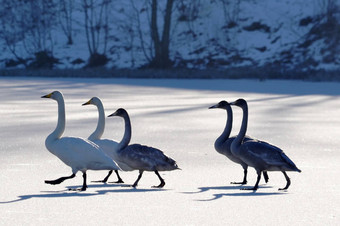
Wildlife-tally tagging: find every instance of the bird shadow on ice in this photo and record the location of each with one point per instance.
(231, 187)
(51, 194)
(204, 189)
(69, 192)
(119, 188)
(242, 193)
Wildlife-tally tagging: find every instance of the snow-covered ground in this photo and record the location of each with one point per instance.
(300, 117)
(204, 34)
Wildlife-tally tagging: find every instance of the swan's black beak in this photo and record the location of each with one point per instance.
(113, 114)
(87, 103)
(214, 106)
(47, 96)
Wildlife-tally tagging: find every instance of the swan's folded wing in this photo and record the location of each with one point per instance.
(135, 157)
(83, 154)
(147, 158)
(268, 153)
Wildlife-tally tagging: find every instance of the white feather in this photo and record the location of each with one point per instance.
(78, 153)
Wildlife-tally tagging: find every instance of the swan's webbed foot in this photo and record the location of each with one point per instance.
(161, 179)
(59, 180)
(119, 181)
(99, 181)
(245, 171)
(249, 189)
(160, 185)
(84, 184)
(288, 181)
(105, 179)
(138, 178)
(53, 182)
(243, 182)
(256, 186)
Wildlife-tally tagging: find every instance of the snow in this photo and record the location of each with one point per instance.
(300, 117)
(202, 39)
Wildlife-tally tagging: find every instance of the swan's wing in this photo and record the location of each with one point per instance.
(135, 157)
(108, 146)
(155, 153)
(267, 152)
(82, 154)
(146, 158)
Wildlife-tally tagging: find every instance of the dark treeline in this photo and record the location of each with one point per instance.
(159, 34)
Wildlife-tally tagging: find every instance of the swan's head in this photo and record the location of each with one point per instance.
(239, 102)
(55, 95)
(120, 112)
(94, 101)
(223, 105)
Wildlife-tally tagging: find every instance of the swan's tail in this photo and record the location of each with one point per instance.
(167, 164)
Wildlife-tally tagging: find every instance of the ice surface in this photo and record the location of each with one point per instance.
(300, 117)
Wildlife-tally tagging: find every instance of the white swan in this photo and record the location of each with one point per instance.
(141, 157)
(78, 153)
(108, 146)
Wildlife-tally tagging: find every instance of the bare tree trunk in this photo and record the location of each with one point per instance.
(154, 30)
(161, 46)
(87, 32)
(166, 34)
(97, 30)
(139, 31)
(65, 19)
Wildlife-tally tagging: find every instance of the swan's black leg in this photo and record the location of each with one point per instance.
(256, 184)
(161, 179)
(139, 177)
(105, 179)
(84, 182)
(287, 179)
(245, 171)
(59, 180)
(265, 175)
(119, 181)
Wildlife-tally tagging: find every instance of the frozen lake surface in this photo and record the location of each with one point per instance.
(300, 117)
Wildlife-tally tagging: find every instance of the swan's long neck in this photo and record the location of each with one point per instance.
(127, 133)
(238, 140)
(59, 130)
(98, 133)
(227, 129)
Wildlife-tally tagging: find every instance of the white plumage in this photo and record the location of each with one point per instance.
(78, 153)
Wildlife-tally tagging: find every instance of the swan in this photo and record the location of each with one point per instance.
(259, 154)
(78, 153)
(108, 146)
(141, 157)
(223, 142)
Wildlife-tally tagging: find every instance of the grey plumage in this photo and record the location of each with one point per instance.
(223, 142)
(146, 158)
(142, 157)
(259, 154)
